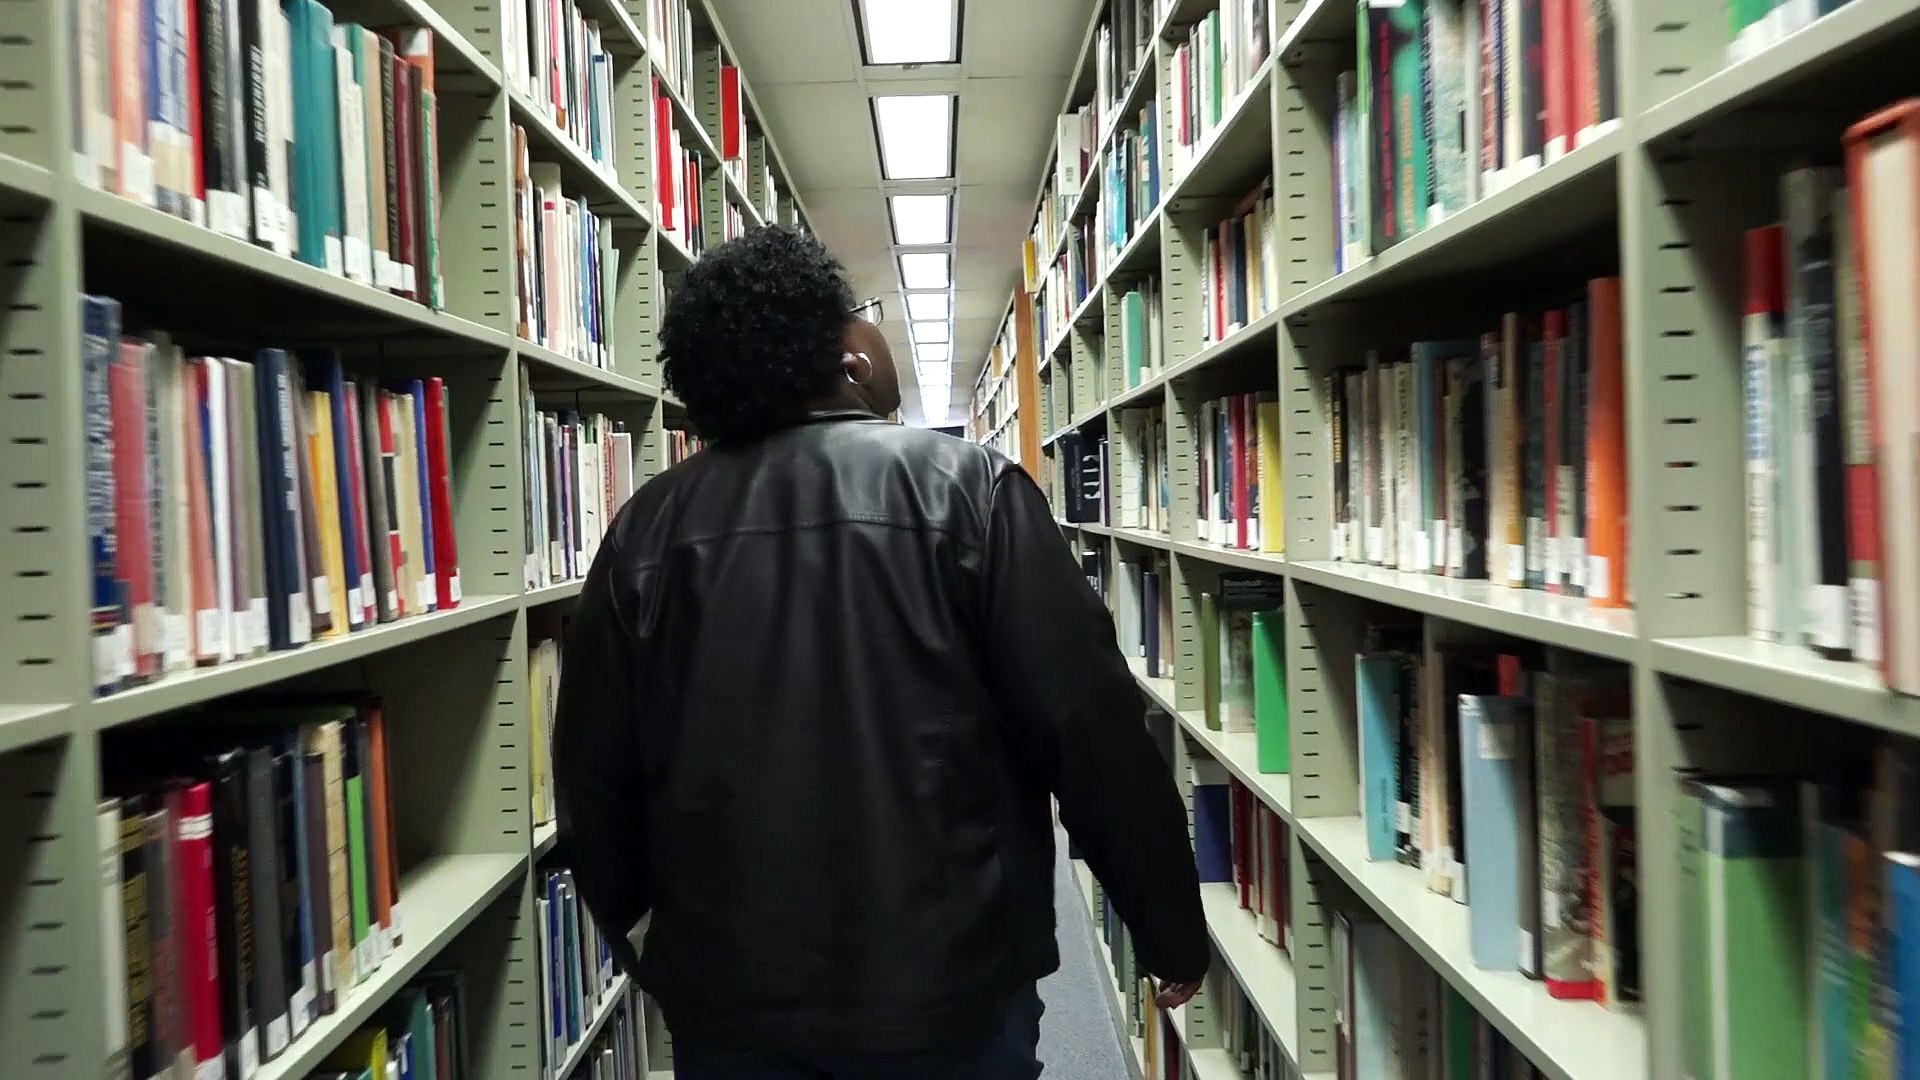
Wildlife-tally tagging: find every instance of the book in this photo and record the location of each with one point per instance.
(1496, 766)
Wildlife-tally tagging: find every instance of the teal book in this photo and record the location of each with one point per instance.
(1753, 888)
(1210, 661)
(323, 96)
(1271, 738)
(1133, 334)
(1412, 152)
(1380, 679)
(1496, 779)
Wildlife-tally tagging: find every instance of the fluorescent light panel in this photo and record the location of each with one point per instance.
(909, 31)
(916, 135)
(941, 353)
(926, 270)
(928, 306)
(931, 333)
(921, 219)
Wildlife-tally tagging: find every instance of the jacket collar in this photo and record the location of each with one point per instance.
(823, 416)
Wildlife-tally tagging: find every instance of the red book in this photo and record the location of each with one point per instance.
(446, 560)
(1242, 873)
(663, 155)
(1556, 59)
(1556, 335)
(1277, 883)
(190, 98)
(196, 932)
(383, 402)
(404, 174)
(733, 125)
(127, 396)
(1217, 273)
(1237, 446)
(358, 479)
(1583, 88)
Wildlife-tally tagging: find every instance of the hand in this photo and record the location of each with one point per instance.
(1175, 994)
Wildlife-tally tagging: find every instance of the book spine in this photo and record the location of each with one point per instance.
(200, 958)
(1606, 502)
(1566, 945)
(271, 981)
(1554, 394)
(296, 914)
(1535, 442)
(234, 898)
(137, 947)
(1761, 333)
(268, 367)
(1810, 230)
(1573, 480)
(113, 941)
(1856, 396)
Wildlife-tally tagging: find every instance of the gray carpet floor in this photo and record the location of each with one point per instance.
(1078, 1040)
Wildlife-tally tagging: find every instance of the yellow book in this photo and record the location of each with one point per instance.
(365, 1049)
(327, 505)
(324, 739)
(1273, 509)
(544, 665)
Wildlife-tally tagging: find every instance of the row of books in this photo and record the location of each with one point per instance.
(1067, 281)
(558, 59)
(1506, 780)
(419, 1035)
(577, 976)
(270, 124)
(1255, 1051)
(1240, 281)
(1130, 184)
(1495, 90)
(1757, 25)
(1394, 1016)
(560, 248)
(1502, 458)
(1077, 149)
(1240, 841)
(1143, 490)
(543, 701)
(1802, 896)
(679, 195)
(619, 1051)
(240, 506)
(1237, 439)
(1084, 462)
(1243, 664)
(671, 33)
(1122, 44)
(579, 473)
(681, 445)
(1215, 60)
(1141, 599)
(1143, 348)
(1814, 533)
(251, 881)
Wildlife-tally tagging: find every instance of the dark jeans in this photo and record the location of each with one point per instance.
(1010, 1055)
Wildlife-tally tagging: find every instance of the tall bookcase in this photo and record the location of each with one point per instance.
(1662, 200)
(453, 683)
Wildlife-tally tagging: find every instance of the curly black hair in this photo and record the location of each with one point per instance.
(754, 333)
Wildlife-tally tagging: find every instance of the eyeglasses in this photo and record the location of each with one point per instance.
(871, 310)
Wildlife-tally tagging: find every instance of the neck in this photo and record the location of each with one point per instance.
(841, 398)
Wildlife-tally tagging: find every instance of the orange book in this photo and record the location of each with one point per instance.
(327, 504)
(1606, 448)
(133, 168)
(386, 878)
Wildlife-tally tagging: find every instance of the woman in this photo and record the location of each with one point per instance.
(824, 679)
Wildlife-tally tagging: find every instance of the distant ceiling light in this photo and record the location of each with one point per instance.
(931, 333)
(926, 306)
(931, 416)
(920, 219)
(916, 135)
(909, 31)
(939, 353)
(925, 270)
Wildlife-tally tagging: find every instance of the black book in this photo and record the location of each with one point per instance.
(233, 908)
(1533, 80)
(1467, 486)
(1809, 220)
(167, 1007)
(1606, 89)
(296, 935)
(1337, 457)
(1533, 453)
(143, 1054)
(1573, 457)
(271, 985)
(251, 15)
(223, 135)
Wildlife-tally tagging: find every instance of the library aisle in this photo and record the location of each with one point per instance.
(1079, 1033)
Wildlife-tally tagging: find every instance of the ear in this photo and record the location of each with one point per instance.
(857, 367)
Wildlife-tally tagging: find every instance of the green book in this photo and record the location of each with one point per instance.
(1133, 334)
(408, 1019)
(1750, 899)
(359, 862)
(1413, 154)
(1460, 1055)
(1210, 660)
(1270, 692)
(1694, 1006)
(1217, 108)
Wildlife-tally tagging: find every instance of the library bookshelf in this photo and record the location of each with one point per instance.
(1661, 199)
(453, 683)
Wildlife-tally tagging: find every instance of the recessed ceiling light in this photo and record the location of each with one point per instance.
(931, 333)
(920, 219)
(933, 417)
(916, 135)
(925, 270)
(909, 31)
(926, 306)
(938, 353)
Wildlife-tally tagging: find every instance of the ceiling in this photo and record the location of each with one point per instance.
(802, 59)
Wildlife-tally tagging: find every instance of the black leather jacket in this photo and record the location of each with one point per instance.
(815, 697)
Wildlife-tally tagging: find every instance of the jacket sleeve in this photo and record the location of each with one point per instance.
(1077, 719)
(597, 776)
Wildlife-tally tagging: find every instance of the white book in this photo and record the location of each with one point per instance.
(284, 234)
(221, 509)
(113, 935)
(93, 138)
(356, 238)
(174, 529)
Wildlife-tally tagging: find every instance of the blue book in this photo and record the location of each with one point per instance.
(1833, 849)
(1903, 964)
(1376, 996)
(99, 344)
(1496, 776)
(290, 763)
(556, 957)
(1212, 822)
(277, 496)
(1378, 676)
